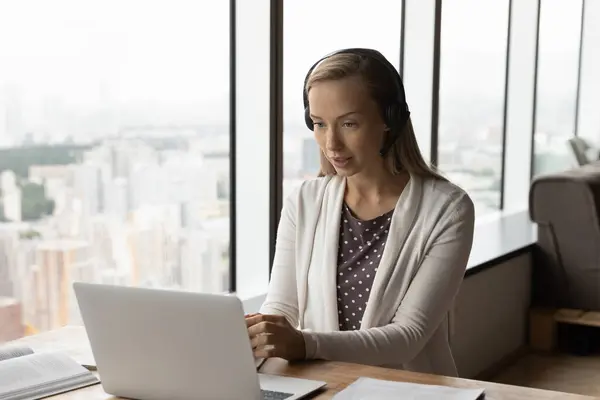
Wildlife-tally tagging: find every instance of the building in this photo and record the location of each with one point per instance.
(11, 196)
(11, 327)
(6, 252)
(201, 261)
(87, 187)
(59, 263)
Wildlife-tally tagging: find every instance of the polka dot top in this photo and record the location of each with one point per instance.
(361, 245)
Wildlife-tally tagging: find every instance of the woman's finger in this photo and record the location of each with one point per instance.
(262, 340)
(253, 319)
(266, 352)
(262, 327)
(257, 318)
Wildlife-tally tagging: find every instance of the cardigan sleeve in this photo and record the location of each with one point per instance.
(421, 311)
(282, 296)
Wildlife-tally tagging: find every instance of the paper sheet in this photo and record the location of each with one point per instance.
(71, 340)
(368, 388)
(11, 351)
(46, 372)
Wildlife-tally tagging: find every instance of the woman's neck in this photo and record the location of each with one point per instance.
(375, 188)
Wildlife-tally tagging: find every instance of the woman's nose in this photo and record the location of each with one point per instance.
(333, 141)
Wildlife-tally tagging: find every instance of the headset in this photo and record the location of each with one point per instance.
(395, 114)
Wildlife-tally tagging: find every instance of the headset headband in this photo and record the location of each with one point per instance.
(373, 55)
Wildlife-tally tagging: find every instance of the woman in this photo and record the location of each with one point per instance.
(369, 255)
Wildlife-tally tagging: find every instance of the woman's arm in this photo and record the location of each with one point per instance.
(282, 297)
(423, 308)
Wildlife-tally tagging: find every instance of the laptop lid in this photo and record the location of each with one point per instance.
(162, 344)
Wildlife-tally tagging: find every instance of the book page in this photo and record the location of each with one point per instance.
(12, 351)
(368, 388)
(40, 372)
(70, 340)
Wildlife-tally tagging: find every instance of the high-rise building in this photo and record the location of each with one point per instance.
(21, 263)
(11, 196)
(200, 262)
(11, 327)
(12, 201)
(117, 197)
(87, 187)
(6, 280)
(59, 263)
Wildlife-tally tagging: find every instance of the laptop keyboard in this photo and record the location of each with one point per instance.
(270, 395)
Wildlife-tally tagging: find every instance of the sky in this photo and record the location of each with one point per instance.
(89, 53)
(172, 56)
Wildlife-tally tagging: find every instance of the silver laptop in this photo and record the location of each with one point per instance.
(161, 344)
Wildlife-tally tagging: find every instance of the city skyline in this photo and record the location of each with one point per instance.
(110, 225)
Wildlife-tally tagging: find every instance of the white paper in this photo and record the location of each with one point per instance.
(70, 340)
(44, 372)
(12, 351)
(368, 388)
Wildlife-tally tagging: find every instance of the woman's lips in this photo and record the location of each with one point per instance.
(340, 162)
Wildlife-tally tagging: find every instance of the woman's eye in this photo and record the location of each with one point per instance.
(349, 124)
(318, 125)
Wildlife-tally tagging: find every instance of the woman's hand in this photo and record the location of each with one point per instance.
(273, 336)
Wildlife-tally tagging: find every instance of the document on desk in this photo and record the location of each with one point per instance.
(368, 388)
(70, 340)
(38, 375)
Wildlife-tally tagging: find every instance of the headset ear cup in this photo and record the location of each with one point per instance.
(390, 115)
(307, 119)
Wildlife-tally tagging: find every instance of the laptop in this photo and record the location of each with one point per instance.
(156, 344)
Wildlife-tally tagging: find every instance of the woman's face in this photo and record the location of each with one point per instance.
(347, 124)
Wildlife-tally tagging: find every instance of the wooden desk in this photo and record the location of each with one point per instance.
(338, 376)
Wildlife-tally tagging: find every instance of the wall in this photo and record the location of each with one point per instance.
(490, 316)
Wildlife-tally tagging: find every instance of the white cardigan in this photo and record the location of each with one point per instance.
(405, 323)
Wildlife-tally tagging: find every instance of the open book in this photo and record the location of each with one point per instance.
(25, 375)
(70, 340)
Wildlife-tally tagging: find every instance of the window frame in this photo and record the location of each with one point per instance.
(277, 73)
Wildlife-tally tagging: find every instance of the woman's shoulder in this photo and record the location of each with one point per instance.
(312, 189)
(439, 194)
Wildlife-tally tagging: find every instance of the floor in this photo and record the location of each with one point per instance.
(559, 372)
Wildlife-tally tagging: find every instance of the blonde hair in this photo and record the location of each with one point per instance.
(404, 155)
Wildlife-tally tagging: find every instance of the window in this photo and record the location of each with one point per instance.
(519, 104)
(558, 62)
(471, 113)
(418, 67)
(115, 151)
(589, 97)
(313, 29)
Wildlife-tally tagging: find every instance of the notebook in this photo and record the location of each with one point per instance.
(368, 388)
(25, 375)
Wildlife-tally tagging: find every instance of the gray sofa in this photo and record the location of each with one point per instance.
(566, 208)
